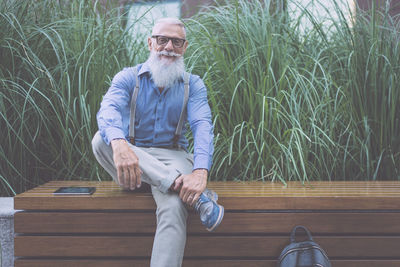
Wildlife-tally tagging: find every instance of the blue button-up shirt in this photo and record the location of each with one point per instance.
(157, 114)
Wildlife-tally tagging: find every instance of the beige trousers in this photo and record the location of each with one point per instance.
(160, 167)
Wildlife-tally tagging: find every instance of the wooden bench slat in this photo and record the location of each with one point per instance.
(351, 247)
(381, 188)
(261, 187)
(248, 193)
(192, 263)
(231, 204)
(311, 203)
(143, 263)
(129, 202)
(235, 196)
(259, 246)
(117, 222)
(77, 222)
(145, 202)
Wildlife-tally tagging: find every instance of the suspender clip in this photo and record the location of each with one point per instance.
(175, 142)
(131, 140)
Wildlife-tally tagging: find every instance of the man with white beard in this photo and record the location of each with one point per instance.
(141, 137)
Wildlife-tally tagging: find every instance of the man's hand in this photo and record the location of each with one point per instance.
(191, 186)
(127, 164)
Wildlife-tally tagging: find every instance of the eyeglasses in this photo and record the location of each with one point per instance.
(163, 40)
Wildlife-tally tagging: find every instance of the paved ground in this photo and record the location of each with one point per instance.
(6, 231)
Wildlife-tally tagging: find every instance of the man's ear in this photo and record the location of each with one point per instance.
(149, 42)
(185, 46)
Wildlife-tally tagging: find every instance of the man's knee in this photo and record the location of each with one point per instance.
(172, 209)
(97, 143)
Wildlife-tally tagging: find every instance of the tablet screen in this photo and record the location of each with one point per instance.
(75, 190)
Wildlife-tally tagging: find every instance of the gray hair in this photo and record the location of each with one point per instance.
(171, 20)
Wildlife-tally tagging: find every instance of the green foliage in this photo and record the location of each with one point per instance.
(56, 63)
(371, 75)
(293, 105)
(287, 104)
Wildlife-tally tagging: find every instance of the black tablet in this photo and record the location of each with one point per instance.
(75, 190)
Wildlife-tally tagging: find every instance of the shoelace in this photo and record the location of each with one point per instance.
(198, 203)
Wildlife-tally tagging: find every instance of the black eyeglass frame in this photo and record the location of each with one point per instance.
(168, 39)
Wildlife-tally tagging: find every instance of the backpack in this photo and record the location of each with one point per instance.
(303, 254)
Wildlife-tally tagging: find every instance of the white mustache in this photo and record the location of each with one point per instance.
(169, 54)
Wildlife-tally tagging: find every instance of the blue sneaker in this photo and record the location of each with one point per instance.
(210, 212)
(211, 194)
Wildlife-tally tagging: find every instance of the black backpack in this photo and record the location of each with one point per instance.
(303, 254)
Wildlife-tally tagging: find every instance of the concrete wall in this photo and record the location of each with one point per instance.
(188, 9)
(394, 5)
(191, 7)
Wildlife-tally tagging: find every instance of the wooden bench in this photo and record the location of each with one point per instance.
(357, 223)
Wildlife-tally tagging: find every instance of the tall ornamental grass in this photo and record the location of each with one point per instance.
(57, 58)
(369, 71)
(278, 113)
(288, 104)
(292, 105)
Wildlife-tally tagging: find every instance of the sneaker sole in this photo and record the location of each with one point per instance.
(220, 216)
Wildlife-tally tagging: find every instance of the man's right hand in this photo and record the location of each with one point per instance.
(127, 164)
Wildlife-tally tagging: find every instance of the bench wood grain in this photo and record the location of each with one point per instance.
(355, 222)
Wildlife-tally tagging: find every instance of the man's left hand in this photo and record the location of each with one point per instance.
(191, 185)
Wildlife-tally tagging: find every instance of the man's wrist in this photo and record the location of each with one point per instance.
(117, 141)
(201, 171)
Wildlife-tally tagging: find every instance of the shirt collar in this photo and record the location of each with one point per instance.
(145, 68)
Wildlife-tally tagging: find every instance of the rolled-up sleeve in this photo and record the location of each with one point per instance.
(200, 121)
(115, 103)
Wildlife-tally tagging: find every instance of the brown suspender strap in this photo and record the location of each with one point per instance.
(182, 117)
(133, 108)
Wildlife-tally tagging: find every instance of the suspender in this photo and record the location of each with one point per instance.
(182, 117)
(133, 109)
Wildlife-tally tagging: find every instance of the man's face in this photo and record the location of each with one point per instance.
(167, 30)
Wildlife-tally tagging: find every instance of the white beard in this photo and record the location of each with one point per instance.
(163, 72)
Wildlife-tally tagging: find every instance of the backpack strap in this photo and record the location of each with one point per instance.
(133, 108)
(294, 230)
(182, 117)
